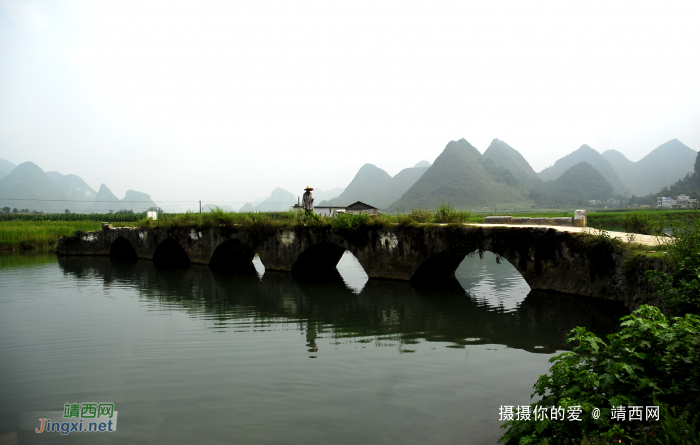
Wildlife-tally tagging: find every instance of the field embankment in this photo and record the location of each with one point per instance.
(41, 235)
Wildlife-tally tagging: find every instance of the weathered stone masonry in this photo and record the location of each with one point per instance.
(547, 259)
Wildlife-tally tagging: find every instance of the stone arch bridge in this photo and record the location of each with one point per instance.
(548, 259)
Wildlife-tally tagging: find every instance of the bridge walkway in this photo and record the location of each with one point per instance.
(647, 240)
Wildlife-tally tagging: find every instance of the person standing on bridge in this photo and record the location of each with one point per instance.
(307, 202)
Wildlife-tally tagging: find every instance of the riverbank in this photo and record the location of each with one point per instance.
(42, 235)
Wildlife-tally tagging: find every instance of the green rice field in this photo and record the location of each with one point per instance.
(41, 235)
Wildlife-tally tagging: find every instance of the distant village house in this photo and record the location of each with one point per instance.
(353, 209)
(361, 207)
(679, 202)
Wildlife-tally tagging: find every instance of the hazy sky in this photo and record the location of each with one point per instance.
(224, 101)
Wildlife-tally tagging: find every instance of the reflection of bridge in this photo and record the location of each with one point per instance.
(546, 258)
(383, 309)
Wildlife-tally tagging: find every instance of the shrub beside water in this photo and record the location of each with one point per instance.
(680, 288)
(654, 360)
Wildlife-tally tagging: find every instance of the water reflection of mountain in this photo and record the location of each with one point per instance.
(384, 309)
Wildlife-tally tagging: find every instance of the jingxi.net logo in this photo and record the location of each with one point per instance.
(85, 417)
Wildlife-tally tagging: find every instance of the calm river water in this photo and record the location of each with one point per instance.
(193, 356)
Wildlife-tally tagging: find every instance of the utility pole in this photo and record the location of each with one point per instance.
(200, 206)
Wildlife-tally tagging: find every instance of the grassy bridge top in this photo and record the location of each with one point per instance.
(643, 222)
(24, 231)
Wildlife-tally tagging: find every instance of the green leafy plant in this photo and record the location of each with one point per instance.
(350, 222)
(446, 213)
(640, 222)
(680, 287)
(653, 360)
(417, 216)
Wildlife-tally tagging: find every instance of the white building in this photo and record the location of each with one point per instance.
(354, 208)
(679, 202)
(324, 210)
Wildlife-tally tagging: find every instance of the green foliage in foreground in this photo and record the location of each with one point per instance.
(654, 360)
(680, 288)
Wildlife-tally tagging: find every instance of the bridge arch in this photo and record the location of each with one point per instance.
(169, 254)
(318, 260)
(122, 250)
(443, 264)
(232, 255)
(438, 266)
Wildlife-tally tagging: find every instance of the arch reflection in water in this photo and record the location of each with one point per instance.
(328, 262)
(493, 281)
(259, 266)
(381, 310)
(352, 272)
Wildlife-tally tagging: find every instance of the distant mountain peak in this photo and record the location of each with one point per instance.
(587, 154)
(73, 186)
(29, 182)
(457, 176)
(279, 200)
(27, 166)
(503, 155)
(368, 185)
(422, 164)
(282, 194)
(583, 179)
(370, 167)
(460, 146)
(6, 167)
(133, 194)
(105, 194)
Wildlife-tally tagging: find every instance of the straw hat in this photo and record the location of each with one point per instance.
(308, 188)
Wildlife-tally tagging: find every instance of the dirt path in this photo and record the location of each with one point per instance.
(647, 240)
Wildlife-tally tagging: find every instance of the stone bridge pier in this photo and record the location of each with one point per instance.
(547, 259)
